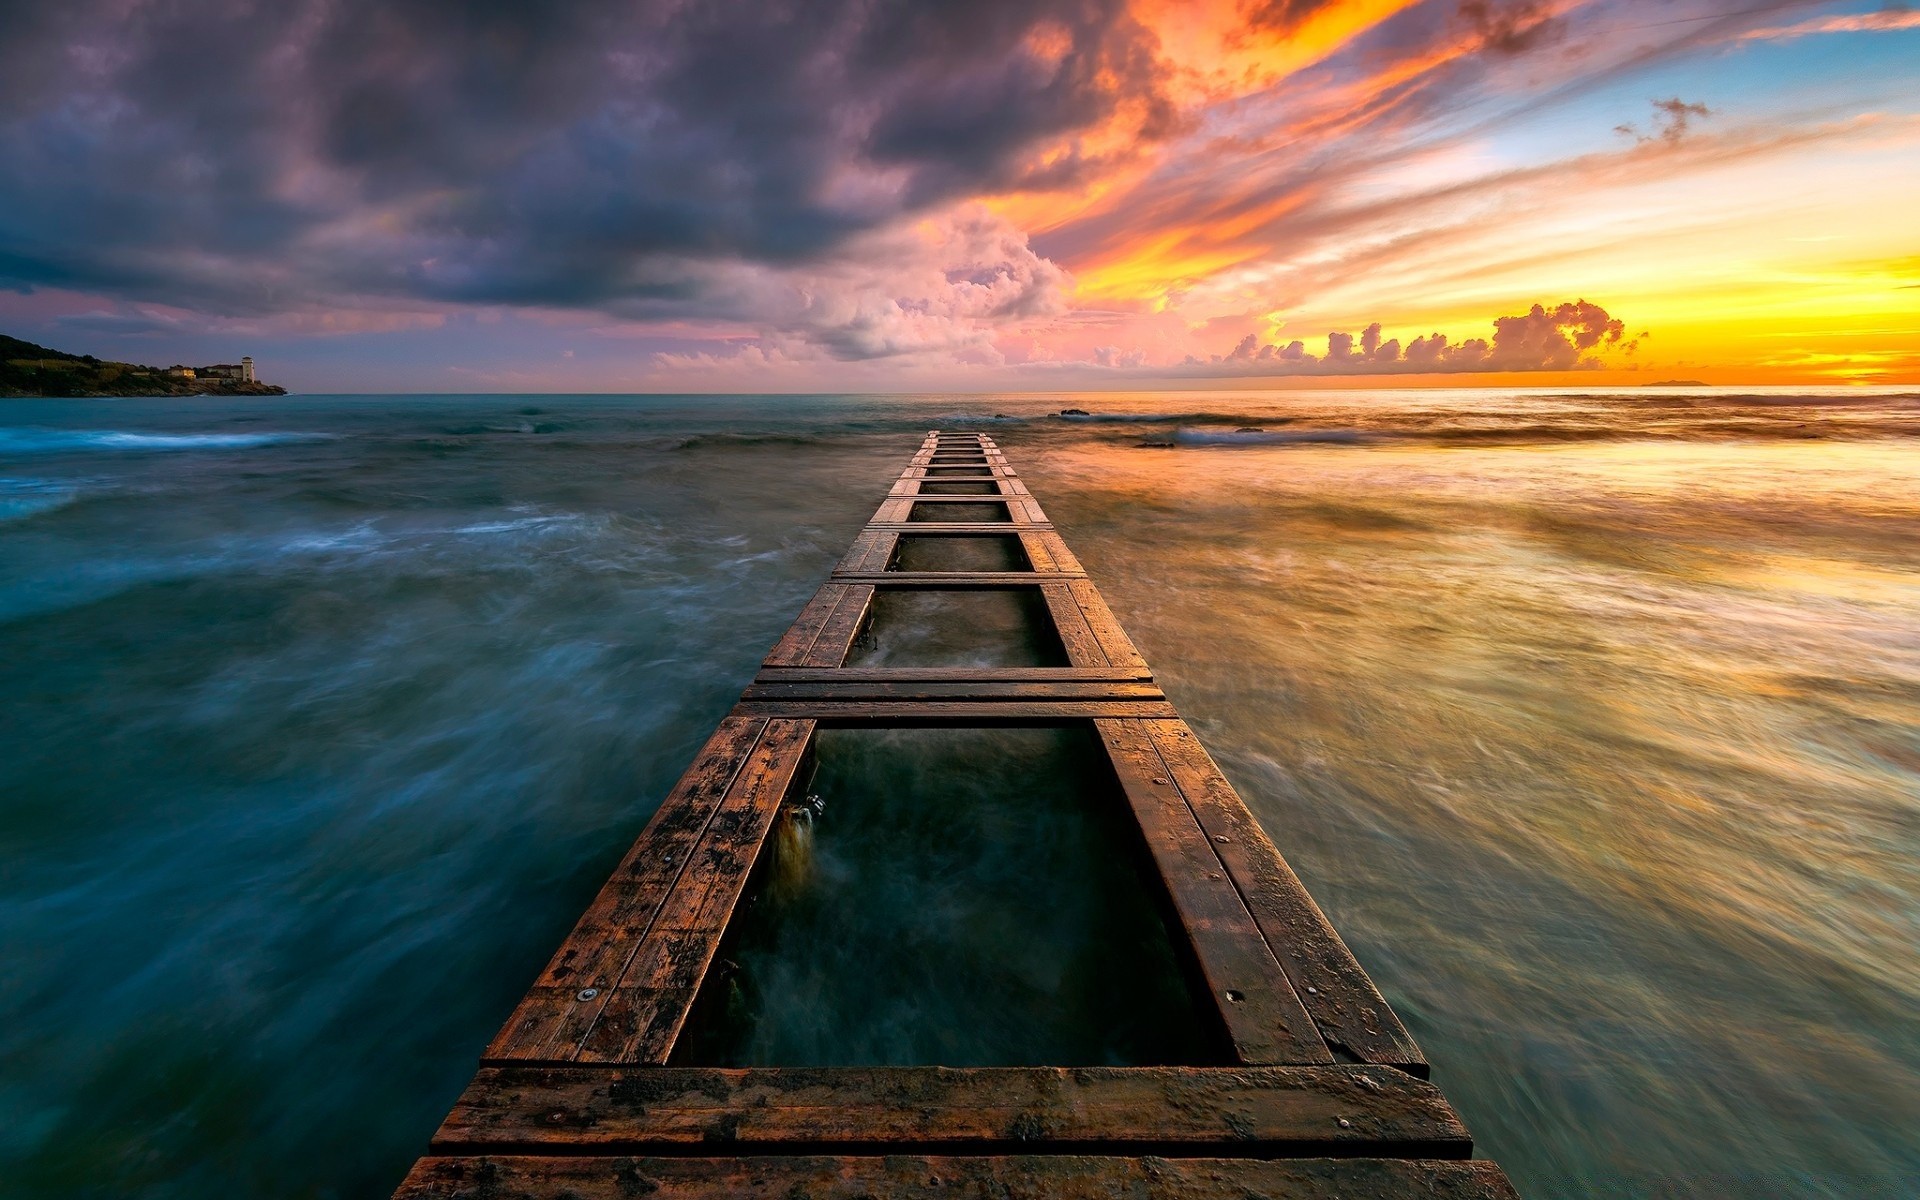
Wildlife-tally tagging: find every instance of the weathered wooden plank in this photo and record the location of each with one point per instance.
(953, 528)
(791, 649)
(1082, 646)
(1039, 551)
(1026, 508)
(894, 508)
(1239, 1111)
(958, 528)
(1118, 648)
(986, 712)
(982, 674)
(1265, 1020)
(837, 634)
(955, 579)
(1051, 546)
(905, 1177)
(869, 554)
(569, 994)
(646, 1009)
(1351, 1014)
(972, 689)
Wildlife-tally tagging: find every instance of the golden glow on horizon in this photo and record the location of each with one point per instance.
(1177, 191)
(1752, 253)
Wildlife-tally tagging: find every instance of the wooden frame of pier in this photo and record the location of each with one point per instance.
(1324, 1093)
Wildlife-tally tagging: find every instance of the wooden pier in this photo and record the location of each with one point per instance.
(1319, 1091)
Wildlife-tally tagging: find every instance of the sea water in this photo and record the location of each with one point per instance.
(1591, 718)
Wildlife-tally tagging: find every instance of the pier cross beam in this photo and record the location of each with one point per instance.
(1322, 1092)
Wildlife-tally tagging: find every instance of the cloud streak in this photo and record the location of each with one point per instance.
(1887, 20)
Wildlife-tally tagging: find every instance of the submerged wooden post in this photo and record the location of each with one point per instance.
(1323, 1094)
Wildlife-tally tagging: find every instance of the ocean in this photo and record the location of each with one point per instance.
(1592, 718)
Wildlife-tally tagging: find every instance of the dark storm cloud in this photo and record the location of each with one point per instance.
(253, 156)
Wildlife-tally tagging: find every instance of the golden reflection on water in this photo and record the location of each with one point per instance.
(1607, 758)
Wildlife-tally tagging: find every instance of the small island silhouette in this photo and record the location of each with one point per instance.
(30, 370)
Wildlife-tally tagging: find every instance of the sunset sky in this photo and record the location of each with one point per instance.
(624, 195)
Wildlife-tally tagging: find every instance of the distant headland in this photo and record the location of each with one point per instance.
(30, 370)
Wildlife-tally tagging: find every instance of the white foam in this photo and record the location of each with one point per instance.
(44, 441)
(23, 498)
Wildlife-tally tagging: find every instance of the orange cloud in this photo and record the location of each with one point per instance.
(1885, 21)
(1566, 337)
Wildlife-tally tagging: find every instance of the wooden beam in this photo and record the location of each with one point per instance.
(955, 528)
(870, 553)
(1114, 642)
(958, 579)
(979, 674)
(1241, 1111)
(633, 1015)
(795, 644)
(567, 998)
(837, 632)
(1069, 621)
(1264, 1018)
(955, 712)
(907, 1177)
(1349, 1011)
(1042, 544)
(950, 689)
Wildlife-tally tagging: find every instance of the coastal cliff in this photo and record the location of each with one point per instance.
(30, 370)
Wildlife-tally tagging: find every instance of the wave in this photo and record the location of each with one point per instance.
(1690, 398)
(1093, 418)
(957, 422)
(45, 441)
(1078, 416)
(23, 498)
(405, 550)
(1268, 437)
(540, 521)
(715, 441)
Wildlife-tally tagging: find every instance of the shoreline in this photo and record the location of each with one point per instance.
(219, 389)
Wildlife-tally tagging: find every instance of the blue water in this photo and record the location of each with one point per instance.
(1593, 720)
